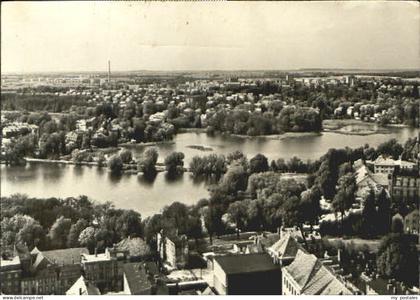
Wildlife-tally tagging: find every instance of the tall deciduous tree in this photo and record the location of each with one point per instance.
(258, 163)
(74, 233)
(59, 232)
(147, 161)
(115, 164)
(174, 163)
(398, 258)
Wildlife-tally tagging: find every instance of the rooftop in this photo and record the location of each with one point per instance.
(246, 263)
(313, 277)
(137, 278)
(95, 257)
(285, 247)
(9, 263)
(65, 256)
(383, 287)
(84, 286)
(384, 161)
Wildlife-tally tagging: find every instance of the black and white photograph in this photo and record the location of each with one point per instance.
(210, 148)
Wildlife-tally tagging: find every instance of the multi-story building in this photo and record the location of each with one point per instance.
(52, 272)
(246, 274)
(104, 270)
(405, 184)
(173, 250)
(384, 165)
(10, 275)
(387, 165)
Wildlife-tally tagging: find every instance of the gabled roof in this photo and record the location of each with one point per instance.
(313, 277)
(84, 287)
(286, 247)
(137, 278)
(302, 268)
(384, 161)
(361, 174)
(65, 256)
(40, 259)
(35, 251)
(325, 283)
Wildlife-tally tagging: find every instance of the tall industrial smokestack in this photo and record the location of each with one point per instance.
(109, 71)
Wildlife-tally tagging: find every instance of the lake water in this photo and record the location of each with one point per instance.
(150, 196)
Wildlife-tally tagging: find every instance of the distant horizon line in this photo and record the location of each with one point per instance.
(388, 70)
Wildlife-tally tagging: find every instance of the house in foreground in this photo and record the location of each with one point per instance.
(307, 275)
(246, 274)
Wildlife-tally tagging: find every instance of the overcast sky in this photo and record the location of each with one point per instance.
(82, 36)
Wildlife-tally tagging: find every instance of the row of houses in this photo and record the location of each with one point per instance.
(284, 268)
(75, 271)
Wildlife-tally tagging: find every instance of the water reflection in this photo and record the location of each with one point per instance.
(78, 170)
(171, 178)
(114, 178)
(147, 179)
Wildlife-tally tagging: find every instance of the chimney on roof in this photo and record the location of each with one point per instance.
(96, 251)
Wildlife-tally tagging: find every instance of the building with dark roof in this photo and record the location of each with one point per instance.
(136, 279)
(380, 286)
(246, 274)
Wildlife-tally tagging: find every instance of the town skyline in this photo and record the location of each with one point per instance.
(243, 36)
